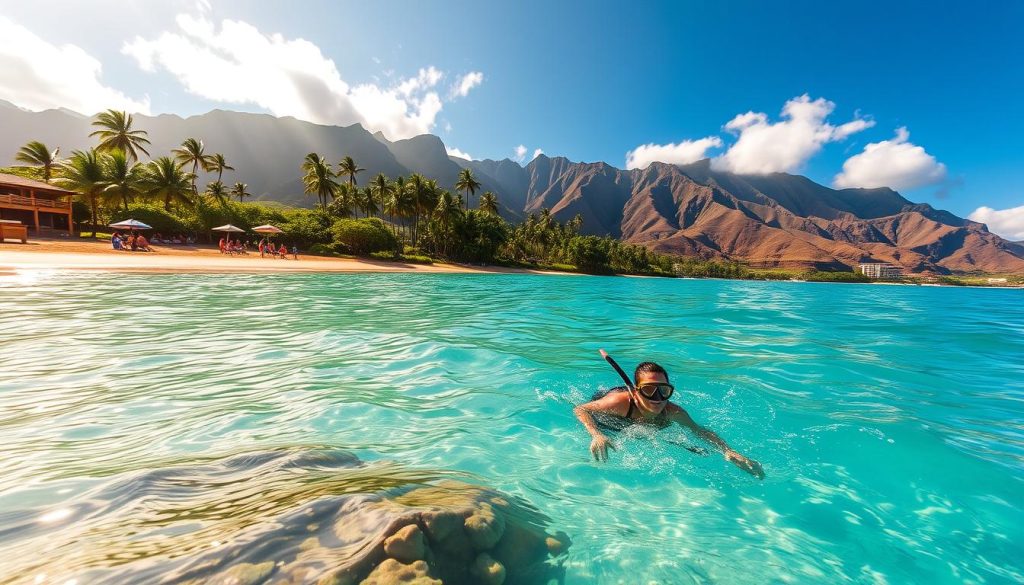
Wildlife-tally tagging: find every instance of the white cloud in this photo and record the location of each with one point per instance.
(37, 75)
(452, 151)
(682, 153)
(1008, 223)
(521, 151)
(763, 147)
(536, 153)
(465, 83)
(897, 164)
(289, 77)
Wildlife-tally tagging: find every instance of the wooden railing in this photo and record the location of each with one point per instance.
(35, 202)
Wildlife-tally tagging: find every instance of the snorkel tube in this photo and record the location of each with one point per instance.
(615, 366)
(632, 388)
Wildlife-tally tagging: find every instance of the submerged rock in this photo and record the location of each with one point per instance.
(392, 572)
(301, 516)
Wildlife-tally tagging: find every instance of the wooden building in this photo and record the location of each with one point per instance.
(44, 208)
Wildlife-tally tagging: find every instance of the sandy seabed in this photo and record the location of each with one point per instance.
(83, 254)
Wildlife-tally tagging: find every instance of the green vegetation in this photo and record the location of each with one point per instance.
(405, 219)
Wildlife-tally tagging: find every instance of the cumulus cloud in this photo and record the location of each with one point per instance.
(465, 83)
(452, 151)
(289, 77)
(681, 153)
(1008, 223)
(536, 153)
(38, 75)
(896, 163)
(520, 151)
(763, 147)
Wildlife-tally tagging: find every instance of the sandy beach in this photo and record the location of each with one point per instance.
(87, 255)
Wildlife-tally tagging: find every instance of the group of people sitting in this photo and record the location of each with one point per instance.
(159, 238)
(131, 241)
(265, 247)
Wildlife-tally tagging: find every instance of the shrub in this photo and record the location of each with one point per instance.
(389, 256)
(364, 236)
(307, 227)
(589, 254)
(416, 259)
(154, 215)
(321, 250)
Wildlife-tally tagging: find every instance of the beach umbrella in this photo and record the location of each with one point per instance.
(130, 224)
(267, 229)
(229, 229)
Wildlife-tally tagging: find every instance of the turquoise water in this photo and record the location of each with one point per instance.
(889, 420)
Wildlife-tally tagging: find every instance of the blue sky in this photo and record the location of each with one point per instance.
(934, 87)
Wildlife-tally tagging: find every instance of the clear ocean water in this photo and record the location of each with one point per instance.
(889, 419)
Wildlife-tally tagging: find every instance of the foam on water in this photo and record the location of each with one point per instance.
(888, 419)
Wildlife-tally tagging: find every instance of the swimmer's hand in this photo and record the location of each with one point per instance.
(749, 465)
(599, 447)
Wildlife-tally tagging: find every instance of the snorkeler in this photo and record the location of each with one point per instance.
(645, 400)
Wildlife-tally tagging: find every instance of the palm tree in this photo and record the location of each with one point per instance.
(446, 213)
(191, 152)
(217, 191)
(343, 202)
(83, 173)
(370, 202)
(123, 178)
(219, 164)
(418, 189)
(381, 188)
(489, 203)
(468, 183)
(167, 180)
(318, 178)
(115, 133)
(36, 153)
(239, 190)
(393, 203)
(347, 168)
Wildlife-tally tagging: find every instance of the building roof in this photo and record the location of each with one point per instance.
(16, 181)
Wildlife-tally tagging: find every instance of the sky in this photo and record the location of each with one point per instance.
(921, 97)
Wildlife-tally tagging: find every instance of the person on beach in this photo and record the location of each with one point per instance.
(283, 252)
(295, 252)
(648, 403)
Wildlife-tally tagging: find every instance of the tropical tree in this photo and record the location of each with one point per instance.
(83, 174)
(348, 168)
(192, 153)
(167, 180)
(122, 178)
(418, 191)
(220, 164)
(239, 190)
(381, 189)
(446, 214)
(115, 133)
(393, 202)
(343, 202)
(217, 192)
(489, 203)
(467, 183)
(318, 178)
(36, 153)
(369, 204)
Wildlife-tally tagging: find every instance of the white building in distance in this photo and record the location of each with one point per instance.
(881, 271)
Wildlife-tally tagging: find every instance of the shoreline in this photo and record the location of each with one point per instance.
(89, 256)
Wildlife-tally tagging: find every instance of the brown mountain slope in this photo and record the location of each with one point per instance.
(771, 220)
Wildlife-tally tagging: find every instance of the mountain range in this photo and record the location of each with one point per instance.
(764, 220)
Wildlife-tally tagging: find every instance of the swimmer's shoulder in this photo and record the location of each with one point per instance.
(614, 402)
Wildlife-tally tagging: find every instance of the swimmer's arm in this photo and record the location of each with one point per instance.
(739, 460)
(611, 404)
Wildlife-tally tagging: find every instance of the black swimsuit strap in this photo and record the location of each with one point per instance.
(632, 406)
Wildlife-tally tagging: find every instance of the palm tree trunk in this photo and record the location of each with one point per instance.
(94, 218)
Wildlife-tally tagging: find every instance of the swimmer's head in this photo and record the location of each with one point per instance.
(649, 373)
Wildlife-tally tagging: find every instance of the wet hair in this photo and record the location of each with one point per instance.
(650, 368)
